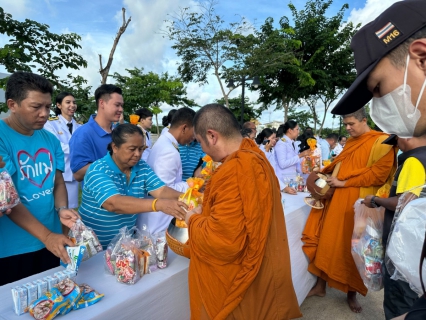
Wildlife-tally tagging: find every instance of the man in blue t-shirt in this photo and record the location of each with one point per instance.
(30, 234)
(89, 143)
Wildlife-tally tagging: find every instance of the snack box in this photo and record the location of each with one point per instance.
(20, 300)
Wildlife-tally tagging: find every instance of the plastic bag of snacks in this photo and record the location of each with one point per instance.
(127, 263)
(71, 293)
(89, 296)
(192, 197)
(367, 248)
(48, 306)
(209, 168)
(8, 195)
(161, 248)
(80, 234)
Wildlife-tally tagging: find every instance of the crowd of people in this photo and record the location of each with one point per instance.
(240, 261)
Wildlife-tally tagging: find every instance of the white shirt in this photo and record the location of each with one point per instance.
(338, 149)
(148, 142)
(271, 157)
(164, 159)
(61, 131)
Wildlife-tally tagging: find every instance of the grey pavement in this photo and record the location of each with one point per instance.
(334, 306)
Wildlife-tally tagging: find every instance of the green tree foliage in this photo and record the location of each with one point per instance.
(303, 118)
(250, 112)
(325, 52)
(151, 90)
(33, 48)
(205, 43)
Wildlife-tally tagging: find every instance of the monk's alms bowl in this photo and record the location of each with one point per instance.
(177, 239)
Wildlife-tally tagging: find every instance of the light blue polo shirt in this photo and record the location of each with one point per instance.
(32, 162)
(103, 180)
(190, 156)
(88, 144)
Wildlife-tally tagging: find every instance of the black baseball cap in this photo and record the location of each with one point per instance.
(374, 41)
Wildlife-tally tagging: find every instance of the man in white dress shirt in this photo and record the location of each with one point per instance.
(164, 159)
(145, 123)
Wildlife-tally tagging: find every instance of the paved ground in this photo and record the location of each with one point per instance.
(334, 307)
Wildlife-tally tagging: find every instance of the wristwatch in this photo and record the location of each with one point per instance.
(373, 203)
(59, 209)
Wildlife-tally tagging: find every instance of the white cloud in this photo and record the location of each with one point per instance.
(19, 9)
(371, 10)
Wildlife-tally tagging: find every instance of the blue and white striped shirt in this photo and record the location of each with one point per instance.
(190, 156)
(103, 180)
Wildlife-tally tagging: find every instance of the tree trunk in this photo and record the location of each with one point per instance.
(105, 71)
(285, 107)
(225, 96)
(156, 121)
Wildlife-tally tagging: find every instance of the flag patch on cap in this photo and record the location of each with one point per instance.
(388, 33)
(383, 31)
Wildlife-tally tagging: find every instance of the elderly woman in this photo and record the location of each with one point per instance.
(115, 187)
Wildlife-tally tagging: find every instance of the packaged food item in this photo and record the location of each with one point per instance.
(20, 300)
(8, 195)
(51, 281)
(89, 297)
(71, 293)
(127, 264)
(83, 235)
(60, 275)
(161, 249)
(367, 248)
(48, 306)
(41, 287)
(76, 255)
(31, 292)
(192, 197)
(70, 274)
(209, 168)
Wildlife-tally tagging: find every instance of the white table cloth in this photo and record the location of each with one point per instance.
(164, 293)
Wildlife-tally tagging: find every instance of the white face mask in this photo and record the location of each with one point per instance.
(394, 113)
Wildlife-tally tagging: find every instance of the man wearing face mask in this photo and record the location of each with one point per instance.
(390, 58)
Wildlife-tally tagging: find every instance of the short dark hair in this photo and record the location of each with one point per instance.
(216, 117)
(104, 91)
(333, 136)
(144, 113)
(341, 137)
(120, 133)
(59, 99)
(20, 83)
(168, 119)
(265, 133)
(182, 116)
(282, 129)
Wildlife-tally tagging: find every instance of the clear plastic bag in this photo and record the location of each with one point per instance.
(406, 239)
(8, 195)
(367, 247)
(83, 235)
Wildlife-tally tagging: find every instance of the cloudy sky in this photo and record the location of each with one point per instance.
(142, 45)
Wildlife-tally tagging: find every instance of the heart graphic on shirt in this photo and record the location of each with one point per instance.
(36, 171)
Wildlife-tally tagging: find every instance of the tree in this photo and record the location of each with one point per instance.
(105, 71)
(250, 112)
(303, 118)
(204, 43)
(33, 48)
(150, 90)
(276, 58)
(325, 52)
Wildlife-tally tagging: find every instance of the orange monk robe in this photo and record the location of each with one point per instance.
(366, 164)
(240, 260)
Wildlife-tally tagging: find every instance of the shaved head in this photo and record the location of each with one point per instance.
(218, 118)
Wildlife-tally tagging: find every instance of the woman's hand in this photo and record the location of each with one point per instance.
(173, 208)
(196, 210)
(305, 153)
(268, 146)
(68, 217)
(335, 183)
(290, 190)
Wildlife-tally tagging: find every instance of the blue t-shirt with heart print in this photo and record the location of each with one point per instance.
(32, 162)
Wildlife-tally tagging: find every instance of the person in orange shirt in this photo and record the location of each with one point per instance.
(366, 165)
(240, 262)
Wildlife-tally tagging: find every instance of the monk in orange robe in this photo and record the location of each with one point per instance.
(366, 165)
(240, 260)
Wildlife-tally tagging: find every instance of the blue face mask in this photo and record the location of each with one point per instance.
(394, 113)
